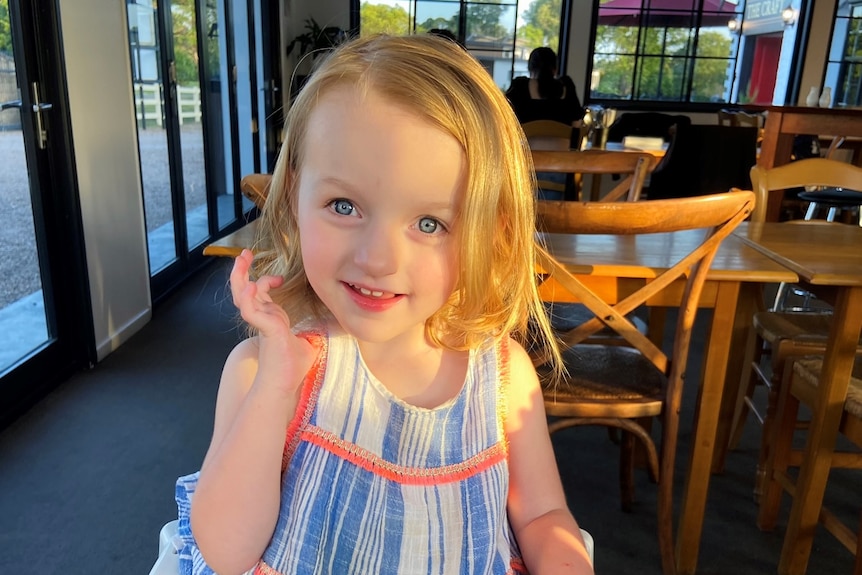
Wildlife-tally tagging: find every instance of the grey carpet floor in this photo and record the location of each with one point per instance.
(87, 476)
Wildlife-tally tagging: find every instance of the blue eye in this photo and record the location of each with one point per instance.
(429, 225)
(343, 207)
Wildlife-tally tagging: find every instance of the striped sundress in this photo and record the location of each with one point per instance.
(372, 484)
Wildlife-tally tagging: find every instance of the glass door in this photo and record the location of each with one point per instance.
(198, 132)
(45, 325)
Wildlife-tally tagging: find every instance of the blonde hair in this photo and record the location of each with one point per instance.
(496, 293)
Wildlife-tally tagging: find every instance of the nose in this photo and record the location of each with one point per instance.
(379, 250)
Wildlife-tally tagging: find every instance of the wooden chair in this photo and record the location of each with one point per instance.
(635, 166)
(255, 187)
(778, 332)
(802, 385)
(739, 118)
(549, 135)
(625, 381)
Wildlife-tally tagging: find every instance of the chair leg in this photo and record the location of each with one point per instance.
(780, 297)
(747, 382)
(627, 468)
(778, 460)
(769, 421)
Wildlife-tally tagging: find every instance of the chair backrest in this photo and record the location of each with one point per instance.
(255, 187)
(635, 166)
(705, 159)
(801, 173)
(650, 124)
(739, 118)
(717, 214)
(548, 135)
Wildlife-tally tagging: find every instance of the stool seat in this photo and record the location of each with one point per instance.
(833, 196)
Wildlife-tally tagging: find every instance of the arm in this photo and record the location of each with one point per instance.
(547, 533)
(236, 503)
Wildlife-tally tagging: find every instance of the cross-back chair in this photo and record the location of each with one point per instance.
(255, 187)
(783, 332)
(802, 386)
(551, 135)
(548, 134)
(634, 166)
(625, 381)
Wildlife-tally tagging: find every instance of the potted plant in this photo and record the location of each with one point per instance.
(316, 40)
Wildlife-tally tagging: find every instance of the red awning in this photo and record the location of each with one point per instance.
(666, 13)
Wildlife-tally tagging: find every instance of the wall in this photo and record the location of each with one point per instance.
(819, 36)
(106, 160)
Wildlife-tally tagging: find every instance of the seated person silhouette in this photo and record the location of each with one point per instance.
(544, 95)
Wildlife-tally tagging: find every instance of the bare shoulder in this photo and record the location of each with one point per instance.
(239, 371)
(523, 387)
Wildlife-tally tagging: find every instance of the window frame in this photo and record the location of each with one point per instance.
(690, 57)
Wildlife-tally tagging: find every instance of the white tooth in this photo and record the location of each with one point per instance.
(377, 293)
(364, 291)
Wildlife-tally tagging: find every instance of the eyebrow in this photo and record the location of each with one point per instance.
(431, 205)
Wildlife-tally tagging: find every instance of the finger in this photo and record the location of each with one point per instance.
(239, 275)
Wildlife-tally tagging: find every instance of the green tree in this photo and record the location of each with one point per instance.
(542, 24)
(185, 41)
(484, 20)
(383, 19)
(5, 29)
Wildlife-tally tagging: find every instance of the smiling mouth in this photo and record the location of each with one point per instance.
(367, 292)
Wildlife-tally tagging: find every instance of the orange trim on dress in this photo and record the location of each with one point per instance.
(401, 474)
(308, 396)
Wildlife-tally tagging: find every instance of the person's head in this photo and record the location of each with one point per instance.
(473, 151)
(542, 66)
(444, 33)
(542, 62)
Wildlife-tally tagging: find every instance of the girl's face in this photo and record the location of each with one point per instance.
(378, 207)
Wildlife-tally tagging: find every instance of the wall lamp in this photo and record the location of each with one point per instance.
(788, 15)
(733, 26)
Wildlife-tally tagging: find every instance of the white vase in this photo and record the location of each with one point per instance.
(811, 99)
(826, 97)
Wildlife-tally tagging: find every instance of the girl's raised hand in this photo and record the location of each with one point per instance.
(283, 357)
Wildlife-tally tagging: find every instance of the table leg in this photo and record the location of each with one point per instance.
(750, 301)
(705, 426)
(822, 431)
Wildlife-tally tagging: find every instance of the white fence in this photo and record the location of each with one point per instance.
(149, 108)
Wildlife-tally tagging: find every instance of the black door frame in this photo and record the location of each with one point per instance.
(57, 215)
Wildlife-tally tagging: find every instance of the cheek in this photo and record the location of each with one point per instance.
(440, 271)
(315, 249)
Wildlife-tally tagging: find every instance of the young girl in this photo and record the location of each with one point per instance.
(386, 417)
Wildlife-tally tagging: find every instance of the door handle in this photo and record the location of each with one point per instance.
(11, 104)
(38, 107)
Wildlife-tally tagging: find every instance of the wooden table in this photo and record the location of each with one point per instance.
(732, 290)
(828, 260)
(785, 122)
(232, 244)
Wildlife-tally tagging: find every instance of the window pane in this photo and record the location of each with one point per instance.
(490, 26)
(612, 77)
(710, 80)
(675, 41)
(391, 17)
(432, 14)
(616, 39)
